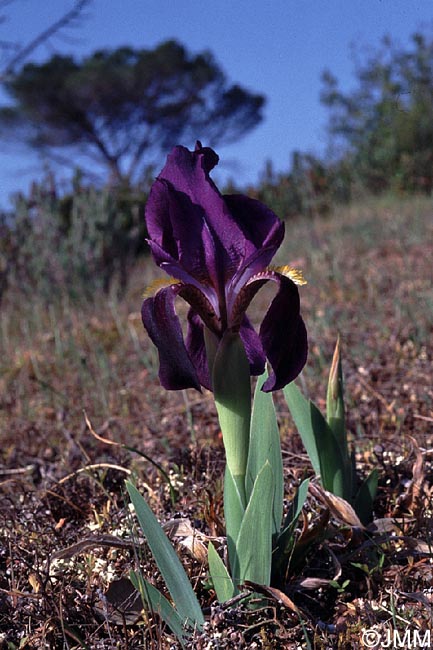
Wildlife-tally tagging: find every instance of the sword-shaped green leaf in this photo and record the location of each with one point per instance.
(254, 543)
(233, 513)
(300, 409)
(320, 443)
(222, 582)
(335, 399)
(232, 394)
(365, 498)
(285, 541)
(158, 604)
(265, 446)
(172, 571)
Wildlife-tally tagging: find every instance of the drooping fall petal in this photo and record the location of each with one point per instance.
(283, 335)
(176, 370)
(253, 347)
(197, 349)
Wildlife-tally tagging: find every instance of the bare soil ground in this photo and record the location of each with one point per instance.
(67, 536)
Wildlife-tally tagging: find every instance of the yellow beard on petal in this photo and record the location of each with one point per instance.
(289, 272)
(156, 285)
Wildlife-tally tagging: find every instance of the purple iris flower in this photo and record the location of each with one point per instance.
(217, 250)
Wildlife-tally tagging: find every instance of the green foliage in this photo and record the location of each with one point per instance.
(311, 186)
(284, 544)
(265, 447)
(326, 455)
(335, 397)
(253, 556)
(186, 613)
(222, 582)
(122, 106)
(74, 244)
(386, 123)
(156, 603)
(259, 548)
(325, 440)
(232, 393)
(364, 499)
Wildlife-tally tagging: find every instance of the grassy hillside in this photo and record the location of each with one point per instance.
(369, 275)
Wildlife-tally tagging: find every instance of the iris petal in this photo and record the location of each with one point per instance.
(260, 226)
(197, 222)
(196, 348)
(176, 369)
(283, 335)
(218, 248)
(178, 231)
(258, 261)
(253, 347)
(263, 233)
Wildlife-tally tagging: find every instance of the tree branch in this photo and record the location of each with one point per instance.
(26, 50)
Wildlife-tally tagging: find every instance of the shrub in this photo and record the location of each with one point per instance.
(77, 243)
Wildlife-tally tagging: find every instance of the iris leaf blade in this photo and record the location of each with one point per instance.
(296, 506)
(320, 443)
(265, 445)
(365, 497)
(285, 541)
(254, 543)
(232, 394)
(233, 513)
(167, 560)
(299, 407)
(335, 399)
(223, 584)
(157, 603)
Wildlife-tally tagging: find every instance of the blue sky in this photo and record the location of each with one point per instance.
(276, 47)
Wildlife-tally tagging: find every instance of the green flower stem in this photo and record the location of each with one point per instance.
(232, 393)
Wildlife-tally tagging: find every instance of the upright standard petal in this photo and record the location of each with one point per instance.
(259, 224)
(196, 220)
(263, 233)
(177, 231)
(176, 369)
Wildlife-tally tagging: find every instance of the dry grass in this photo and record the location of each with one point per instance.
(370, 276)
